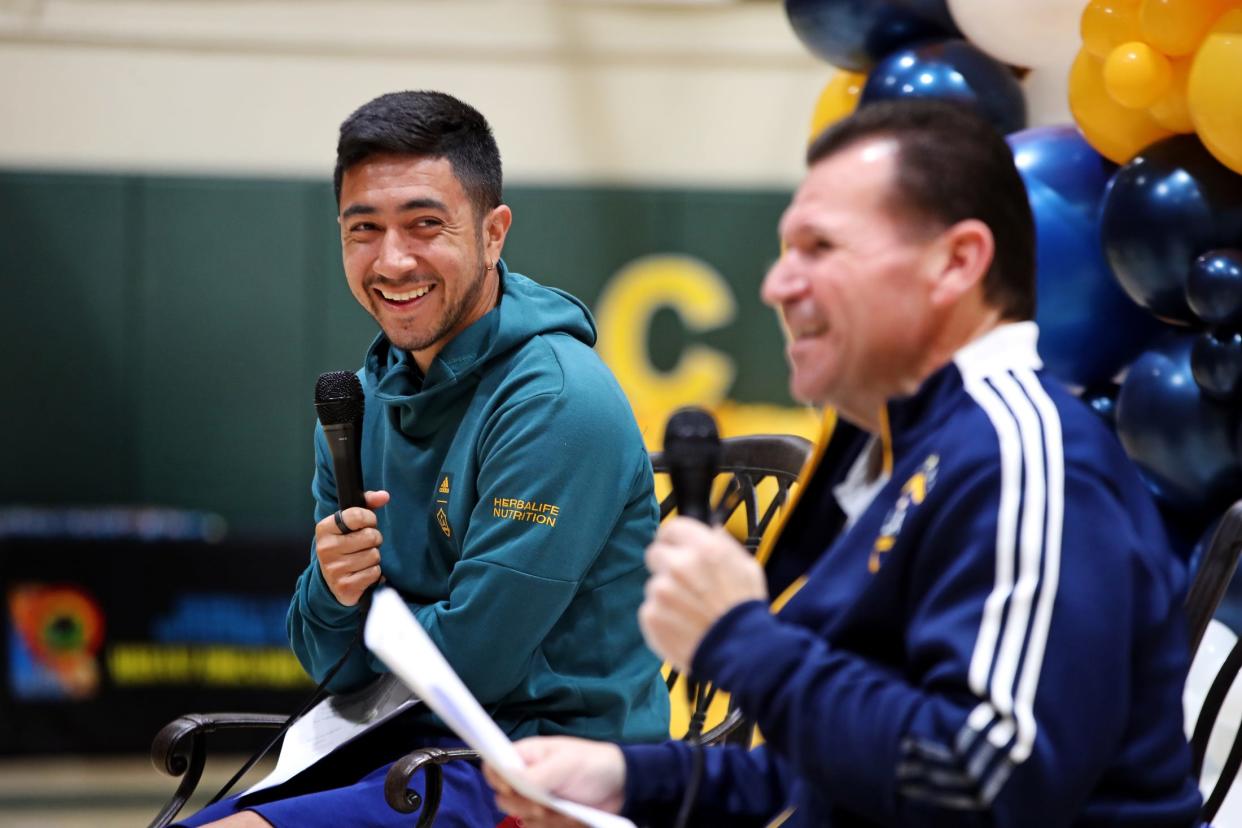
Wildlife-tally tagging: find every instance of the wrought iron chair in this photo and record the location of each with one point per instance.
(1216, 569)
(770, 461)
(754, 480)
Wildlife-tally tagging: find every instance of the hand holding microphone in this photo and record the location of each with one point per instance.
(698, 573)
(347, 542)
(350, 563)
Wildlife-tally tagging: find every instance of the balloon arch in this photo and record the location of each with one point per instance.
(1137, 204)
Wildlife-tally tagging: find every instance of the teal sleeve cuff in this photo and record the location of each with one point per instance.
(321, 605)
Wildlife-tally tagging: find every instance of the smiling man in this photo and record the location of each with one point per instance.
(996, 637)
(510, 495)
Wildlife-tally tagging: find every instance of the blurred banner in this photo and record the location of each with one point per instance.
(119, 620)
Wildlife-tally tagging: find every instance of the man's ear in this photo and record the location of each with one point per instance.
(495, 228)
(961, 257)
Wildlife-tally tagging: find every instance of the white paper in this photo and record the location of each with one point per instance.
(336, 721)
(401, 643)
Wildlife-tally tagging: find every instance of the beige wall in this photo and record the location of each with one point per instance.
(645, 91)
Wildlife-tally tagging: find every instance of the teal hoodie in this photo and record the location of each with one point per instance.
(521, 504)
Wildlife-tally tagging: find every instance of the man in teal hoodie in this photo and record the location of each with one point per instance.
(509, 493)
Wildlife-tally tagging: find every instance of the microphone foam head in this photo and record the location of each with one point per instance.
(691, 437)
(339, 398)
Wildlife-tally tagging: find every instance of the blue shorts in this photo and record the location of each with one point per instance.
(467, 802)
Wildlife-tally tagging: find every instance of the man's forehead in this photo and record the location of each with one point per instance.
(865, 161)
(389, 170)
(855, 176)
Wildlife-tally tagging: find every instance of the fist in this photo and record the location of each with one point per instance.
(697, 575)
(351, 563)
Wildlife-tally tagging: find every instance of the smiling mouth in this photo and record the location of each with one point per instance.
(403, 298)
(806, 331)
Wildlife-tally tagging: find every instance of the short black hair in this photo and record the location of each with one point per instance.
(430, 124)
(952, 165)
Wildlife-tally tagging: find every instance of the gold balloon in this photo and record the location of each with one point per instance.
(1136, 75)
(1114, 131)
(1106, 24)
(1171, 111)
(838, 99)
(1212, 94)
(1176, 27)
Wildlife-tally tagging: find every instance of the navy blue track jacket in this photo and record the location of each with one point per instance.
(997, 640)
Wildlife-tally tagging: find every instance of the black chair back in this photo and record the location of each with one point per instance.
(746, 463)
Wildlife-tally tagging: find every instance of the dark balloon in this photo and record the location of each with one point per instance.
(951, 70)
(1214, 288)
(854, 34)
(1182, 441)
(1166, 206)
(1216, 362)
(936, 11)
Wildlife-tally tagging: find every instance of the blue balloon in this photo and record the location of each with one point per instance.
(854, 34)
(1216, 362)
(1061, 159)
(950, 70)
(1169, 204)
(1088, 328)
(1181, 440)
(1214, 288)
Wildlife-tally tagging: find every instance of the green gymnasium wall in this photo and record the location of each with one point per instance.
(161, 335)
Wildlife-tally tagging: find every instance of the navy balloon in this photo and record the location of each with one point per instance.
(1214, 288)
(950, 70)
(1216, 362)
(854, 34)
(934, 10)
(1089, 329)
(1182, 441)
(1165, 207)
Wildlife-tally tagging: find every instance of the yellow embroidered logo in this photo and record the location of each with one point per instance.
(527, 511)
(444, 485)
(442, 519)
(912, 494)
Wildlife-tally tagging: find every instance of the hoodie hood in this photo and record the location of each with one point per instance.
(420, 405)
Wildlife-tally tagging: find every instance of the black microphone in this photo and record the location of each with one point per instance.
(339, 403)
(692, 455)
(692, 452)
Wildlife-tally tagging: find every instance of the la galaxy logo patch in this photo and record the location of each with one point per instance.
(912, 494)
(443, 489)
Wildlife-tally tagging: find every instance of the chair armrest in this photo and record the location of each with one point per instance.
(170, 749)
(429, 759)
(720, 734)
(180, 748)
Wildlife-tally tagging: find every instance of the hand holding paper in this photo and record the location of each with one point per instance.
(393, 635)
